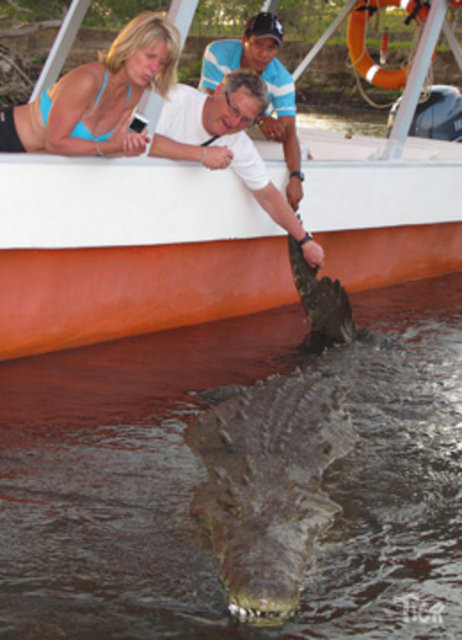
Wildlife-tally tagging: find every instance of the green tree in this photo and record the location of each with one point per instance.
(301, 17)
(116, 13)
(34, 10)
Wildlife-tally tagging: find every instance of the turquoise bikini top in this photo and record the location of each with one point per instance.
(80, 130)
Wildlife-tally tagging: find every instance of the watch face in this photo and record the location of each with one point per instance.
(298, 174)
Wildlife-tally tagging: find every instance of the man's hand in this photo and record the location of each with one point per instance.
(273, 129)
(217, 157)
(313, 254)
(277, 207)
(294, 192)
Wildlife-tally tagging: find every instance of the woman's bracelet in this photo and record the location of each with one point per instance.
(98, 149)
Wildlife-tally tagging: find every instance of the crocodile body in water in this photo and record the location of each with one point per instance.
(266, 449)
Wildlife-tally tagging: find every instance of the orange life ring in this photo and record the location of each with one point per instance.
(356, 31)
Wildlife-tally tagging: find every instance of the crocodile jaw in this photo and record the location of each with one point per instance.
(264, 611)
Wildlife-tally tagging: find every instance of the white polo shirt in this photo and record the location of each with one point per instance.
(181, 120)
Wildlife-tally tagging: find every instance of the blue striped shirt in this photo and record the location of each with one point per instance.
(223, 56)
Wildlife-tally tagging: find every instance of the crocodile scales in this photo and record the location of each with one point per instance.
(266, 450)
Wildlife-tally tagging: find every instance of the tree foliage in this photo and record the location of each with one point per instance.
(303, 20)
(301, 17)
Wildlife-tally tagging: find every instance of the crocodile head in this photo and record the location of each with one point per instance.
(264, 542)
(263, 571)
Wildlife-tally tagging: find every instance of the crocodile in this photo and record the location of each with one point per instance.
(266, 448)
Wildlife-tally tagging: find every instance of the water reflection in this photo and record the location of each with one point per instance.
(368, 122)
(96, 482)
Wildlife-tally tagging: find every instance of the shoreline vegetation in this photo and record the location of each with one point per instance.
(328, 83)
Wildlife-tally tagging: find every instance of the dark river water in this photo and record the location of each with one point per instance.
(96, 538)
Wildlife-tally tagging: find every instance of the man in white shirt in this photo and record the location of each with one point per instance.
(197, 127)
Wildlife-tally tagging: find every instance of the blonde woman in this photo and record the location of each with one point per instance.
(87, 112)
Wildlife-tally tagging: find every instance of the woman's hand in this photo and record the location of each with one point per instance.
(135, 143)
(124, 142)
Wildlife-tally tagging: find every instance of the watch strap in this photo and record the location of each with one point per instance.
(305, 239)
(297, 174)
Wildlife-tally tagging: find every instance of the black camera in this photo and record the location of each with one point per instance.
(138, 123)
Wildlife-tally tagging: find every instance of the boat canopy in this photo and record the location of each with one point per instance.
(181, 13)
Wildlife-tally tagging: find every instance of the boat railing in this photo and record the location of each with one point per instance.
(181, 13)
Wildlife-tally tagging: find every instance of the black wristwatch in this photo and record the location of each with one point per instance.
(306, 238)
(297, 174)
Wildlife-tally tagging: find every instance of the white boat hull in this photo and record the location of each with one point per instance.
(94, 250)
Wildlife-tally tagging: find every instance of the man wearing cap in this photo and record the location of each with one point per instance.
(257, 51)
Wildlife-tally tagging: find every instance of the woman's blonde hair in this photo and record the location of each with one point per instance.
(148, 27)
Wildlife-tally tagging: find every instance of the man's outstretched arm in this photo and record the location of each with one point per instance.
(277, 207)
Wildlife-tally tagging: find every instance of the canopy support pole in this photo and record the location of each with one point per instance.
(270, 5)
(395, 145)
(181, 14)
(313, 52)
(452, 42)
(61, 46)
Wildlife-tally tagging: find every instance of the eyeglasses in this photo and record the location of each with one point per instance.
(248, 122)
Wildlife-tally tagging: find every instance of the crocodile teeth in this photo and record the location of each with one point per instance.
(244, 614)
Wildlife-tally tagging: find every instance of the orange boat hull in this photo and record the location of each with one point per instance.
(59, 298)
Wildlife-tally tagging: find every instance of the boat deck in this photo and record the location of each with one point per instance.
(337, 146)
